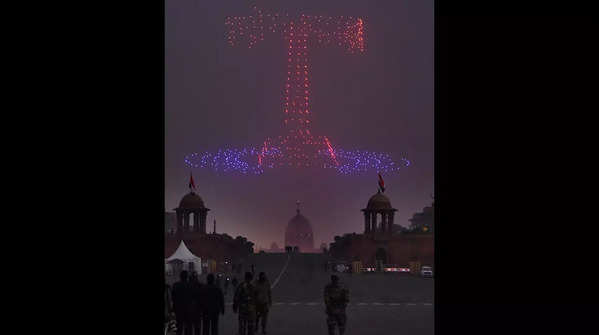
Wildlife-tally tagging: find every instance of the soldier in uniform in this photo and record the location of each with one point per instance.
(245, 303)
(336, 298)
(263, 301)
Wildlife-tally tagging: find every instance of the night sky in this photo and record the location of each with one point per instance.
(219, 96)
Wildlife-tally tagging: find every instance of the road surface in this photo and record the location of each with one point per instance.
(379, 303)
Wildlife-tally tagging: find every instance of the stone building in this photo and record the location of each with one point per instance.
(381, 240)
(424, 221)
(274, 248)
(170, 223)
(299, 233)
(191, 227)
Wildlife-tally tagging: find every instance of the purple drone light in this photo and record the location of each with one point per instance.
(256, 161)
(297, 147)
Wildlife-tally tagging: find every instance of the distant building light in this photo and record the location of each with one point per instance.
(396, 269)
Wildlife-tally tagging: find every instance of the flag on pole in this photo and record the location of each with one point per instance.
(192, 185)
(381, 183)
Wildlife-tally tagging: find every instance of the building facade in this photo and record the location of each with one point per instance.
(381, 240)
(191, 228)
(170, 223)
(424, 221)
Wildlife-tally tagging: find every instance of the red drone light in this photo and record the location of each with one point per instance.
(346, 32)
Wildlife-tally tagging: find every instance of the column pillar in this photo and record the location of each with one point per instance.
(373, 223)
(384, 222)
(366, 222)
(391, 215)
(179, 222)
(196, 221)
(203, 222)
(186, 222)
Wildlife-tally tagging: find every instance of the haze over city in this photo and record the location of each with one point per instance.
(221, 96)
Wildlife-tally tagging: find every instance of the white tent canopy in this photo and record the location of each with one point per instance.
(183, 254)
(190, 261)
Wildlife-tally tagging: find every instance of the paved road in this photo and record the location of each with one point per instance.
(379, 303)
(305, 278)
(290, 319)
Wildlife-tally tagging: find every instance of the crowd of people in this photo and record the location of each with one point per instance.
(193, 308)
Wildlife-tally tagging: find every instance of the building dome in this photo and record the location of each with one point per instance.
(191, 201)
(299, 233)
(379, 201)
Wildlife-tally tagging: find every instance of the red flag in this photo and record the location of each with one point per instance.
(381, 183)
(192, 185)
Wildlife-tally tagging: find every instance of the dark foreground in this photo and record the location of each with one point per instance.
(379, 303)
(361, 319)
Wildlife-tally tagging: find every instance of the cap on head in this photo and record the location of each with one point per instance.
(334, 279)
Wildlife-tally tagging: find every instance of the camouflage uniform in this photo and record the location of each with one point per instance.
(336, 299)
(245, 304)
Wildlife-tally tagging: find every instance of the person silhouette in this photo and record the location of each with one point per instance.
(263, 301)
(196, 291)
(336, 299)
(181, 295)
(213, 306)
(244, 302)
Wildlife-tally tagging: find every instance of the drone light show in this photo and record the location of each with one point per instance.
(297, 147)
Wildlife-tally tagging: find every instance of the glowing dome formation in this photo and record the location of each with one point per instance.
(299, 233)
(297, 147)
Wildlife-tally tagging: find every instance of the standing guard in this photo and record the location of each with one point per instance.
(245, 303)
(336, 299)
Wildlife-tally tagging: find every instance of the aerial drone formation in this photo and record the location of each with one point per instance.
(297, 146)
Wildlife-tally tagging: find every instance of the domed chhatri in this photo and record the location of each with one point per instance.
(299, 233)
(379, 205)
(191, 228)
(379, 201)
(191, 214)
(191, 201)
(383, 243)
